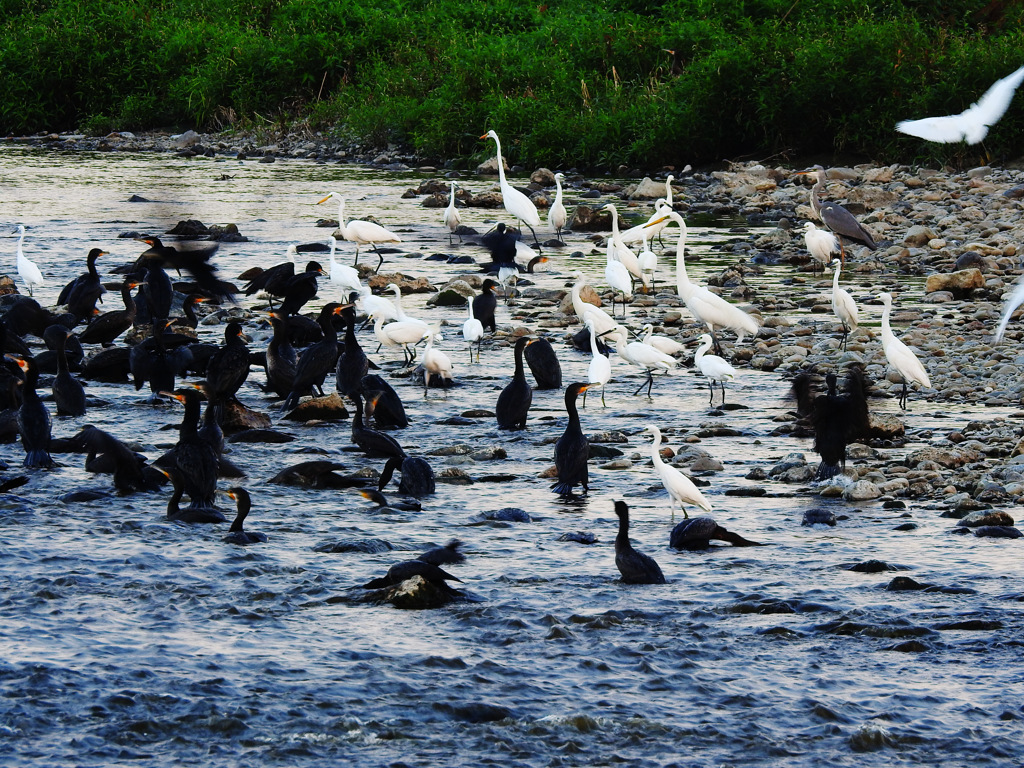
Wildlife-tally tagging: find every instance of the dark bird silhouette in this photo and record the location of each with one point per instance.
(238, 534)
(317, 474)
(417, 476)
(448, 554)
(195, 261)
(33, 419)
(375, 444)
(572, 449)
(383, 403)
(68, 392)
(353, 364)
(281, 358)
(406, 570)
(25, 317)
(515, 399)
(108, 455)
(540, 356)
(485, 304)
(835, 216)
(384, 505)
(297, 291)
(501, 244)
(54, 336)
(316, 359)
(152, 361)
(635, 566)
(105, 328)
(157, 293)
(189, 319)
(194, 457)
(82, 293)
(228, 368)
(837, 419)
(696, 533)
(189, 514)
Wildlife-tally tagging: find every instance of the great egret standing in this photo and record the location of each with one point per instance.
(820, 243)
(451, 216)
(681, 489)
(361, 232)
(843, 304)
(899, 355)
(973, 123)
(473, 332)
(622, 251)
(27, 269)
(516, 203)
(600, 370)
(617, 277)
(648, 260)
(705, 305)
(713, 367)
(835, 217)
(557, 215)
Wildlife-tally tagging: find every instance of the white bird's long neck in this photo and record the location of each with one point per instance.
(615, 225)
(668, 191)
(886, 328)
(334, 247)
(558, 190)
(701, 350)
(341, 219)
(470, 305)
(593, 342)
(683, 285)
(399, 311)
(501, 165)
(655, 448)
(835, 280)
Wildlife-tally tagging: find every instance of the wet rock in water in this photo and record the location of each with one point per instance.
(84, 495)
(960, 283)
(978, 518)
(961, 504)
(747, 491)
(328, 408)
(320, 474)
(884, 426)
(236, 417)
(454, 476)
(580, 537)
(603, 452)
(998, 532)
(918, 235)
(260, 436)
(906, 527)
(861, 490)
(791, 461)
(904, 584)
(874, 566)
(365, 546)
(587, 219)
(475, 711)
(454, 294)
(819, 516)
(506, 515)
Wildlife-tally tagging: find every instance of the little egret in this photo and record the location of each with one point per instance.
(713, 367)
(451, 216)
(899, 355)
(843, 304)
(27, 269)
(557, 215)
(820, 243)
(681, 489)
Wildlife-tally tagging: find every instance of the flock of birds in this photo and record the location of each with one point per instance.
(303, 352)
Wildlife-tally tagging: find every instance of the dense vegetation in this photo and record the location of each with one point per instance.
(570, 83)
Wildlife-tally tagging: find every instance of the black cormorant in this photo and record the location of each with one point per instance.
(572, 449)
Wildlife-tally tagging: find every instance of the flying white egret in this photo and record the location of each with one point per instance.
(27, 269)
(557, 215)
(843, 304)
(705, 305)
(516, 203)
(617, 277)
(681, 489)
(713, 367)
(899, 355)
(600, 370)
(821, 244)
(434, 362)
(622, 251)
(835, 217)
(473, 332)
(361, 232)
(1014, 300)
(451, 216)
(973, 123)
(644, 356)
(342, 275)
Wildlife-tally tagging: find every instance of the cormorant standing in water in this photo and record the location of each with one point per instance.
(194, 457)
(152, 361)
(188, 515)
(515, 399)
(417, 476)
(371, 442)
(572, 449)
(68, 392)
(82, 293)
(228, 368)
(281, 358)
(353, 364)
(540, 356)
(317, 359)
(33, 419)
(635, 567)
(238, 535)
(838, 420)
(387, 408)
(485, 304)
(299, 290)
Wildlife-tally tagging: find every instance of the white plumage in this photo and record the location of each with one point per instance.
(27, 269)
(451, 216)
(516, 203)
(899, 354)
(557, 215)
(435, 362)
(843, 304)
(399, 334)
(600, 370)
(1015, 299)
(644, 356)
(472, 332)
(342, 275)
(973, 123)
(648, 260)
(599, 321)
(661, 343)
(821, 243)
(617, 277)
(713, 367)
(681, 489)
(622, 251)
(361, 232)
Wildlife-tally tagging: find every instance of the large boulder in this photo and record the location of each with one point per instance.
(959, 283)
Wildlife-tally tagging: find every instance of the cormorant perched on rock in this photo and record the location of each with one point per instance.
(406, 570)
(353, 364)
(316, 360)
(540, 356)
(300, 289)
(152, 361)
(105, 328)
(228, 368)
(281, 358)
(485, 304)
(82, 293)
(195, 458)
(635, 566)
(383, 403)
(189, 514)
(68, 392)
(697, 532)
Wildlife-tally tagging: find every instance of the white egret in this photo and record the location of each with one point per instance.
(617, 277)
(434, 362)
(649, 228)
(973, 123)
(648, 260)
(622, 251)
(557, 215)
(342, 275)
(899, 354)
(1015, 299)
(361, 232)
(681, 489)
(706, 306)
(821, 244)
(516, 203)
(713, 367)
(843, 304)
(661, 343)
(400, 312)
(473, 332)
(600, 321)
(451, 216)
(600, 370)
(27, 269)
(376, 306)
(399, 334)
(644, 356)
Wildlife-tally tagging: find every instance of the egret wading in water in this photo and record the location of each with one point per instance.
(713, 367)
(843, 304)
(600, 370)
(835, 217)
(27, 269)
(899, 355)
(451, 216)
(516, 203)
(643, 356)
(622, 251)
(557, 215)
(705, 305)
(361, 232)
(342, 275)
(648, 260)
(618, 278)
(681, 489)
(435, 363)
(634, 566)
(820, 243)
(472, 331)
(973, 123)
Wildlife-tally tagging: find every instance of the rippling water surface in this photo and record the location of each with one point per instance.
(130, 640)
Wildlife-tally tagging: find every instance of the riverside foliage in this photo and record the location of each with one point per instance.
(565, 84)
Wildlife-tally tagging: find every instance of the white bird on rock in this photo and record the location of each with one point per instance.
(899, 355)
(973, 123)
(821, 244)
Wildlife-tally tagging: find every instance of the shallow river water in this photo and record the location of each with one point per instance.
(125, 639)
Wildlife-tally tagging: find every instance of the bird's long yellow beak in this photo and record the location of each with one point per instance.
(656, 221)
(324, 200)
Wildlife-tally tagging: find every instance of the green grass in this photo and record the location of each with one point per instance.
(565, 84)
